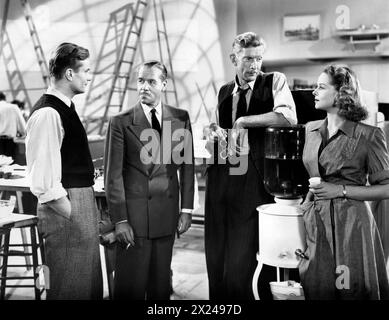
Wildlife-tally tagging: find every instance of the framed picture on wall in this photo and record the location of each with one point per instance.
(301, 27)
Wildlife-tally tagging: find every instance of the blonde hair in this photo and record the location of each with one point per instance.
(247, 40)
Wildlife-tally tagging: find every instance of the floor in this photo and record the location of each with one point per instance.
(190, 280)
(188, 265)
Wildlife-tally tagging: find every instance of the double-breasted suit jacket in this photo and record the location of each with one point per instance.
(148, 194)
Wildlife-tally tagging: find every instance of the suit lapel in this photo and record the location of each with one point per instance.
(138, 122)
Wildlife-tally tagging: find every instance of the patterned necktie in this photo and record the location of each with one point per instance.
(241, 109)
(155, 123)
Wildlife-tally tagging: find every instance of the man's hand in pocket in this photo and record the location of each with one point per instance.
(62, 206)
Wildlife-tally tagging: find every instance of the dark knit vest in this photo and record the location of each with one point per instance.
(77, 165)
(261, 102)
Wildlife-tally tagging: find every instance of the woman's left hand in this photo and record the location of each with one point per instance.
(326, 190)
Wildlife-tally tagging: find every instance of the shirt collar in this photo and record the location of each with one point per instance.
(59, 95)
(147, 109)
(236, 87)
(347, 127)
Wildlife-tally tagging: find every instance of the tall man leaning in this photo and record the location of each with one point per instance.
(145, 148)
(61, 174)
(252, 101)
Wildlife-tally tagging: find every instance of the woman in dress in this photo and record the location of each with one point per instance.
(344, 253)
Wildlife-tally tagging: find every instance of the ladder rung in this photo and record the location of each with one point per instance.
(19, 265)
(102, 82)
(16, 278)
(16, 254)
(19, 286)
(108, 53)
(103, 71)
(121, 21)
(110, 40)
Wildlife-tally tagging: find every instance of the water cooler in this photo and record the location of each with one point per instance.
(281, 228)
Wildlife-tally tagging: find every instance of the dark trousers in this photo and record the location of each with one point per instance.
(143, 271)
(7, 147)
(231, 233)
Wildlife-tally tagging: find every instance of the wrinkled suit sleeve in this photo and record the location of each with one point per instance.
(187, 168)
(113, 173)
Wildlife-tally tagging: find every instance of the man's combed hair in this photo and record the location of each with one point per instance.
(348, 98)
(247, 40)
(157, 64)
(67, 55)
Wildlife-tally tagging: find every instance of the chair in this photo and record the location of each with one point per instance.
(29, 223)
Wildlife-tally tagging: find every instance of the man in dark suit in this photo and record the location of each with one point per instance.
(145, 148)
(253, 101)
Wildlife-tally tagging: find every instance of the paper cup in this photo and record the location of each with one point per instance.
(314, 181)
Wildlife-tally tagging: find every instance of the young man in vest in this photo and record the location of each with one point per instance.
(253, 101)
(61, 174)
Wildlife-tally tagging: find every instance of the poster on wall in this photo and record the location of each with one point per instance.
(301, 27)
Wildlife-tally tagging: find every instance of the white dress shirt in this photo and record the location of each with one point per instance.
(12, 122)
(158, 112)
(45, 134)
(283, 100)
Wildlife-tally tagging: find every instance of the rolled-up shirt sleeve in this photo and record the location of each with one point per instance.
(43, 143)
(283, 100)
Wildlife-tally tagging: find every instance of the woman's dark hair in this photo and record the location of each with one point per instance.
(348, 98)
(67, 55)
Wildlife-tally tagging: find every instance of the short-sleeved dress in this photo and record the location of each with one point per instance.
(344, 250)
